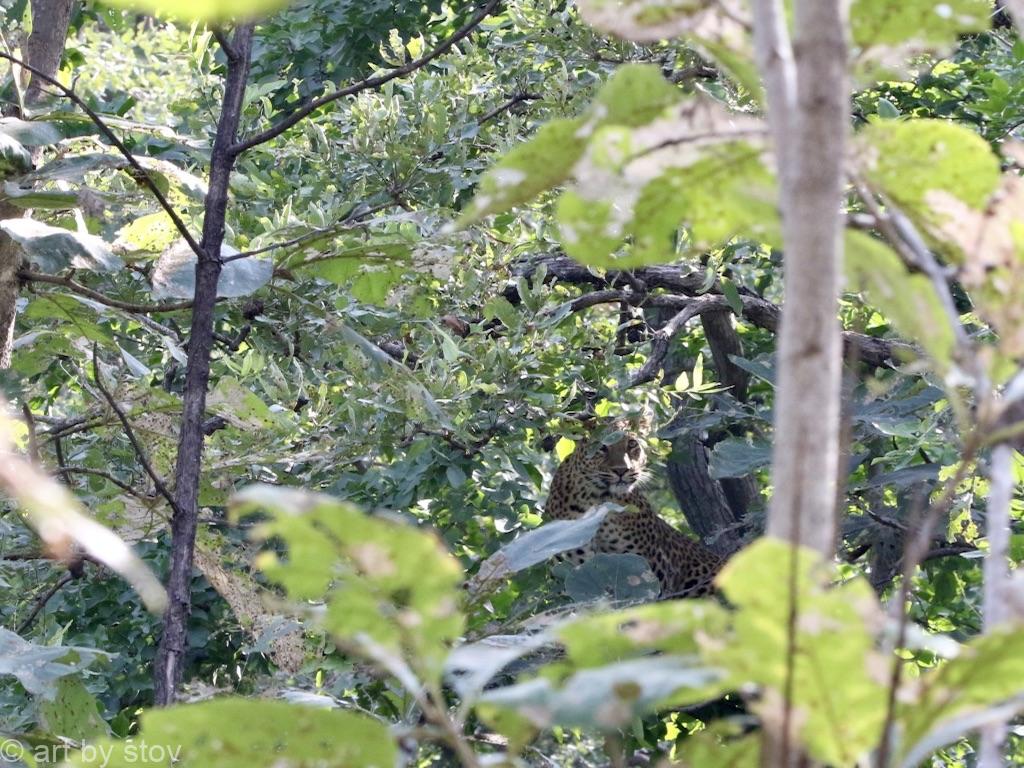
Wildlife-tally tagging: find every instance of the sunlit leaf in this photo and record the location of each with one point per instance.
(835, 678)
(386, 584)
(248, 733)
(909, 300)
(200, 10)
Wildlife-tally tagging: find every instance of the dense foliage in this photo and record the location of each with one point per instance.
(407, 353)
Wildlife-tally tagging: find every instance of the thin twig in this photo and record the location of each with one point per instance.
(341, 226)
(140, 453)
(916, 548)
(106, 476)
(507, 105)
(43, 600)
(142, 173)
(81, 290)
(363, 85)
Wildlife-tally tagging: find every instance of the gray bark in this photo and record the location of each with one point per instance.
(45, 46)
(808, 109)
(43, 50)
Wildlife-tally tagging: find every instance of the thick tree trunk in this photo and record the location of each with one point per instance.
(174, 641)
(45, 46)
(10, 260)
(808, 108)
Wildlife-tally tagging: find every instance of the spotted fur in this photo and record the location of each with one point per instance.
(594, 474)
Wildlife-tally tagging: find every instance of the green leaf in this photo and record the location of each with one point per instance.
(242, 408)
(608, 697)
(718, 30)
(175, 274)
(735, 457)
(202, 10)
(390, 589)
(74, 311)
(612, 577)
(913, 161)
(531, 168)
(153, 232)
(988, 671)
(43, 199)
(674, 626)
(682, 184)
(540, 544)
(32, 133)
(39, 668)
(53, 249)
(73, 713)
(837, 680)
(247, 733)
(633, 96)
(908, 300)
(888, 32)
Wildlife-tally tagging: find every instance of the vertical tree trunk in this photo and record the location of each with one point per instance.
(45, 46)
(43, 50)
(174, 641)
(808, 108)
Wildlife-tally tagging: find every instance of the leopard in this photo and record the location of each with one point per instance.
(597, 472)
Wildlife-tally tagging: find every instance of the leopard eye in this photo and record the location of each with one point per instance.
(633, 445)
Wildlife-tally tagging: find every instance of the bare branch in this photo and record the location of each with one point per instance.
(141, 174)
(140, 452)
(507, 105)
(364, 85)
(662, 339)
(43, 600)
(81, 290)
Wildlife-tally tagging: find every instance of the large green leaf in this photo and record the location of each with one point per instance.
(908, 300)
(735, 457)
(607, 576)
(834, 675)
(720, 30)
(914, 161)
(73, 713)
(32, 133)
(390, 590)
(39, 668)
(608, 697)
(988, 671)
(886, 33)
(634, 95)
(203, 10)
(675, 626)
(14, 158)
(248, 733)
(53, 248)
(50, 199)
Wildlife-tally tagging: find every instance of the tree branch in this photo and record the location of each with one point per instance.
(43, 600)
(140, 452)
(170, 658)
(81, 290)
(363, 85)
(140, 173)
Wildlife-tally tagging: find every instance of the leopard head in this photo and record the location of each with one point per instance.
(612, 467)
